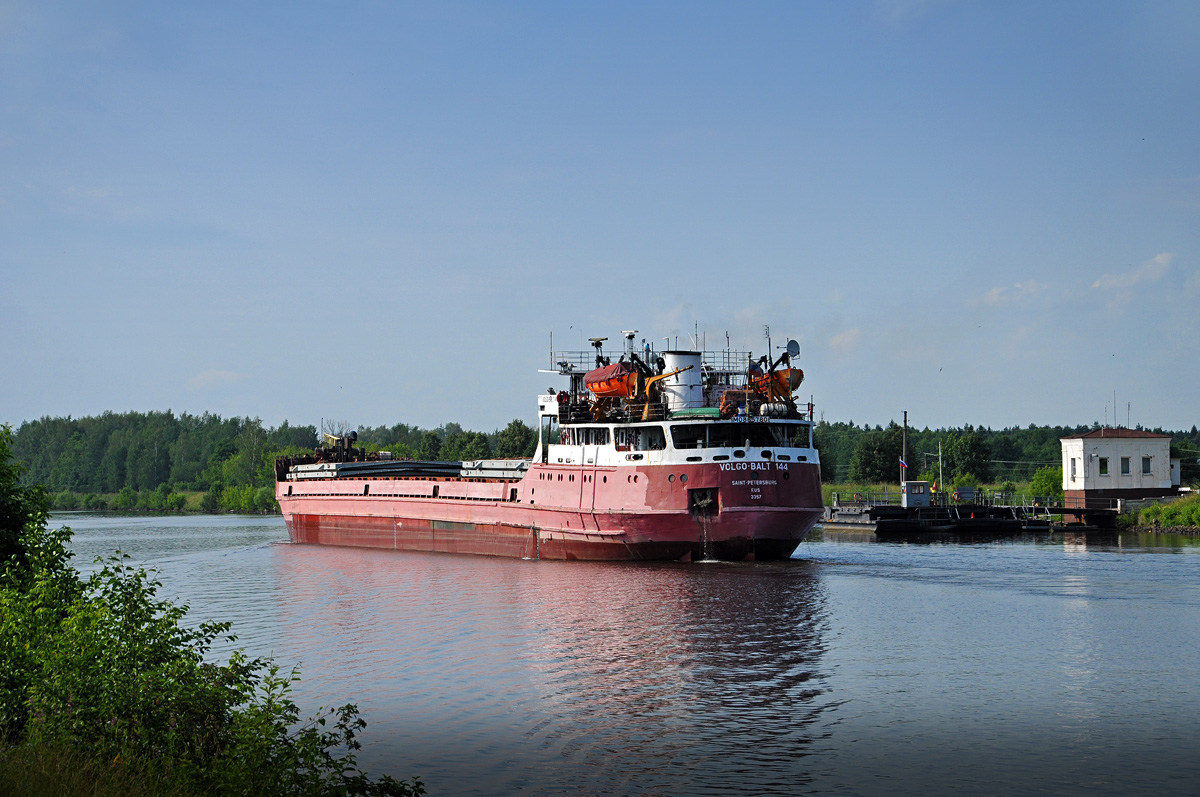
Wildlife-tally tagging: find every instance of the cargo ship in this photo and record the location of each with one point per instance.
(675, 455)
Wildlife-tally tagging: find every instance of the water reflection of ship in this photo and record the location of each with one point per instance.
(690, 669)
(655, 678)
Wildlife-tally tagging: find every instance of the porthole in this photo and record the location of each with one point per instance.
(604, 480)
(739, 453)
(671, 478)
(683, 477)
(785, 475)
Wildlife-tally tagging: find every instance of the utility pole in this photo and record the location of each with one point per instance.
(941, 476)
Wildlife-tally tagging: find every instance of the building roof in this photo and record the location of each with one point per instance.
(1110, 431)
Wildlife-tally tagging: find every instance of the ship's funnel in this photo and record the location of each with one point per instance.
(683, 390)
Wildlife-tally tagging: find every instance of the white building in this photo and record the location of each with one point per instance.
(1118, 463)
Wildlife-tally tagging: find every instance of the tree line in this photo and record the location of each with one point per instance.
(970, 454)
(148, 460)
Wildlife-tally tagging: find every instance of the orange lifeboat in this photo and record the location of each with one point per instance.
(618, 380)
(784, 381)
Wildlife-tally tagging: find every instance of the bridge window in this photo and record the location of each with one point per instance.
(588, 436)
(639, 438)
(1146, 466)
(1103, 466)
(689, 436)
(731, 435)
(1125, 466)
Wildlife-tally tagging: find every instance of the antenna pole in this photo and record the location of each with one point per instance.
(904, 448)
(941, 476)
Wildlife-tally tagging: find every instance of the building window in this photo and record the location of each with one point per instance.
(1125, 466)
(1103, 466)
(1146, 466)
(1072, 468)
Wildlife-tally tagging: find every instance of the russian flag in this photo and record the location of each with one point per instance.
(903, 464)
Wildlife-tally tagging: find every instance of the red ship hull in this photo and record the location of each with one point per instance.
(730, 511)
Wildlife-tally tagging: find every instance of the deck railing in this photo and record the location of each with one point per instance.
(1031, 504)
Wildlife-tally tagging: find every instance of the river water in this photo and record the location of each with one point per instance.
(1062, 664)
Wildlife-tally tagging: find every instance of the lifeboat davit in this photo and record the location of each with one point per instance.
(618, 380)
(784, 381)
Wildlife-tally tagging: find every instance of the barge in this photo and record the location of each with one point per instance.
(672, 455)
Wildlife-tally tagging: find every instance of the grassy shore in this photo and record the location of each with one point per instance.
(846, 491)
(242, 500)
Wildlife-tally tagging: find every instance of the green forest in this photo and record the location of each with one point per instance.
(159, 461)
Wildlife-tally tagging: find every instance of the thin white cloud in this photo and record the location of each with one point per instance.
(1151, 270)
(1019, 292)
(213, 377)
(845, 342)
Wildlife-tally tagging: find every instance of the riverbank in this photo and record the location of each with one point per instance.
(1188, 530)
(234, 499)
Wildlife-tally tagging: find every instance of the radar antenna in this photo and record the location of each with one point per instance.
(598, 343)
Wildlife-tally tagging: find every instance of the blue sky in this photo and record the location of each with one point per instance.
(982, 213)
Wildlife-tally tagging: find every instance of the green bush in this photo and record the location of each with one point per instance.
(238, 498)
(94, 502)
(1047, 482)
(103, 676)
(210, 502)
(1183, 512)
(125, 500)
(966, 480)
(264, 500)
(66, 500)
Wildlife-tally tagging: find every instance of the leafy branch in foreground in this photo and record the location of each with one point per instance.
(104, 672)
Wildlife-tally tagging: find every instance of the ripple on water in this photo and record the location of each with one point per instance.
(860, 668)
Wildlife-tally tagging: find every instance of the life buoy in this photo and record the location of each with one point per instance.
(956, 495)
